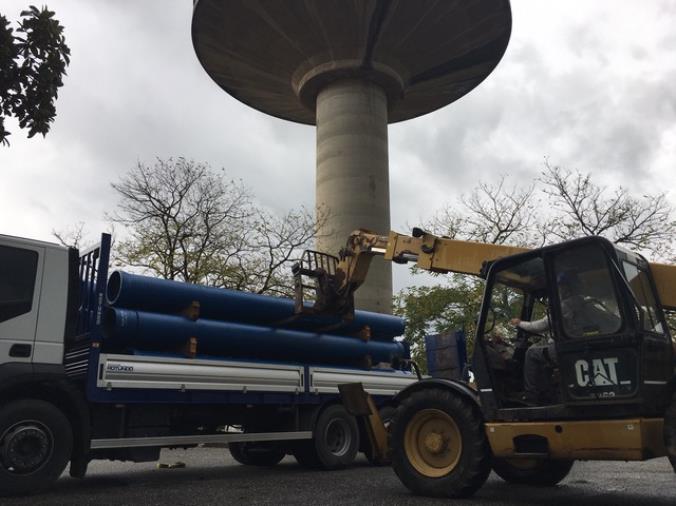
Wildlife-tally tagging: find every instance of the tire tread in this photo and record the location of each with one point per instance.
(62, 432)
(475, 460)
(548, 473)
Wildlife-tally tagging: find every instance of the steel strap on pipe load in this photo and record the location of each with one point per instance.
(153, 295)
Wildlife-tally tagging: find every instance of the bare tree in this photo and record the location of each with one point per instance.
(71, 237)
(274, 242)
(575, 207)
(491, 213)
(77, 236)
(581, 208)
(180, 217)
(185, 221)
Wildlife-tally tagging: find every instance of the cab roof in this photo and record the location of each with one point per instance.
(18, 241)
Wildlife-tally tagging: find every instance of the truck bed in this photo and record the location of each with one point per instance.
(183, 374)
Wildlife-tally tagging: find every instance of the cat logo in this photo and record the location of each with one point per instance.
(600, 372)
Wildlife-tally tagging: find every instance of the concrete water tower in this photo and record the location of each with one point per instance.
(351, 67)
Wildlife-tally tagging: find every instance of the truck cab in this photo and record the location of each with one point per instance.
(35, 293)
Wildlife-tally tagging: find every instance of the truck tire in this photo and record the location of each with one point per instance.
(670, 431)
(306, 456)
(335, 441)
(540, 472)
(438, 444)
(256, 454)
(36, 441)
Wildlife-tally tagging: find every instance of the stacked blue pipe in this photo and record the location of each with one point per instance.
(161, 332)
(155, 295)
(143, 315)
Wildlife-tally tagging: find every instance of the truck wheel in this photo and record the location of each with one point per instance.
(256, 454)
(545, 473)
(36, 441)
(670, 431)
(306, 456)
(438, 444)
(335, 442)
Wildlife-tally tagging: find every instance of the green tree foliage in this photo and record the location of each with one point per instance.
(184, 221)
(560, 205)
(438, 309)
(32, 65)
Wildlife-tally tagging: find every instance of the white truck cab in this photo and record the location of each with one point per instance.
(34, 283)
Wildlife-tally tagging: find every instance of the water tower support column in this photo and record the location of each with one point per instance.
(352, 176)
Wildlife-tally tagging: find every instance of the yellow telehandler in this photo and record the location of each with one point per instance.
(573, 360)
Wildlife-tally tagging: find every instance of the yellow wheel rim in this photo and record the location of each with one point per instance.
(433, 443)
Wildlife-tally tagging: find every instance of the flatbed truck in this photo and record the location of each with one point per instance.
(65, 398)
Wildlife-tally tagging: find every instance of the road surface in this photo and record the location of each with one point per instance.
(212, 477)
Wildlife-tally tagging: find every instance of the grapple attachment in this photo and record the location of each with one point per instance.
(317, 283)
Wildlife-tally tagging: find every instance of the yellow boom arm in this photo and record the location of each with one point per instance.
(337, 280)
(440, 254)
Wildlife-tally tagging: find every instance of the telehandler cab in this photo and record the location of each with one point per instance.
(602, 361)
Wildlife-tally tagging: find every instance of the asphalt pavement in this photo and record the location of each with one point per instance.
(212, 477)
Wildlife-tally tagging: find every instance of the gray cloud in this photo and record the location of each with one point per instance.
(574, 85)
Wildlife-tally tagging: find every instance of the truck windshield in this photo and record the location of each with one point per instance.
(640, 285)
(18, 268)
(587, 297)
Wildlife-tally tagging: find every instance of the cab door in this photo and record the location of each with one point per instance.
(597, 346)
(656, 345)
(20, 283)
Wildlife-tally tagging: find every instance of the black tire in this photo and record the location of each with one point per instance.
(335, 442)
(256, 454)
(305, 454)
(421, 430)
(386, 415)
(36, 442)
(543, 473)
(670, 431)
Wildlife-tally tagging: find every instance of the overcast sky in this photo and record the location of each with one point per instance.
(588, 84)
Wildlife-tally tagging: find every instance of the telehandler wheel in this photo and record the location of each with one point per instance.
(36, 441)
(438, 444)
(544, 473)
(335, 442)
(256, 454)
(670, 431)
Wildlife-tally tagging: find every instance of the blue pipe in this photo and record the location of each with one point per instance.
(156, 295)
(160, 332)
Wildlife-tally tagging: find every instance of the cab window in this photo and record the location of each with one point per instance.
(588, 301)
(640, 285)
(518, 291)
(18, 268)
